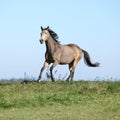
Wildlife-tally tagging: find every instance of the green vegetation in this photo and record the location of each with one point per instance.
(82, 100)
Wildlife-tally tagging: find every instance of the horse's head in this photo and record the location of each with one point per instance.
(44, 34)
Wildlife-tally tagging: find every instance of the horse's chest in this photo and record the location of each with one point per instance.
(49, 57)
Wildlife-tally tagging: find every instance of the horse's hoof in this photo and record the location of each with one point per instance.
(38, 80)
(67, 80)
(53, 80)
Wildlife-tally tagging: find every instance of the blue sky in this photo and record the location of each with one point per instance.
(92, 24)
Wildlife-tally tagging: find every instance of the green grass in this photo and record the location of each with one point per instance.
(82, 100)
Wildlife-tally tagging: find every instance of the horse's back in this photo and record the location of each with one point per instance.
(70, 52)
(75, 48)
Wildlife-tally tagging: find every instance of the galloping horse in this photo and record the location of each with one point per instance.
(61, 54)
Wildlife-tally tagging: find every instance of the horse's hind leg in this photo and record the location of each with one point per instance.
(72, 66)
(42, 69)
(70, 77)
(71, 69)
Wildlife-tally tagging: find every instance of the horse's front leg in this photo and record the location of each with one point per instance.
(42, 69)
(51, 68)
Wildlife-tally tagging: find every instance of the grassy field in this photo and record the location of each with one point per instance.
(82, 100)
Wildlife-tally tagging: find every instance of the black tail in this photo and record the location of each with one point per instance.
(88, 61)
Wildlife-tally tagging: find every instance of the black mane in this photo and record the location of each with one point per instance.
(53, 35)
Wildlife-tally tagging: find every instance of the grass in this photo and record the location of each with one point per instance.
(84, 100)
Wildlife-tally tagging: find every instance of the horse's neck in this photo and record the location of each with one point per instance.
(51, 45)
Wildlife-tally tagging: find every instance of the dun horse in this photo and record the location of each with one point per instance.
(61, 54)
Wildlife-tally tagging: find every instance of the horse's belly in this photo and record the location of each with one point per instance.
(66, 59)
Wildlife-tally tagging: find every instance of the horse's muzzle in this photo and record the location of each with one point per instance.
(41, 41)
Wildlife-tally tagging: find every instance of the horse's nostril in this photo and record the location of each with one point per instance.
(41, 41)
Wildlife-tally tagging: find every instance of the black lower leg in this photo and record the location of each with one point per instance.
(41, 71)
(52, 78)
(72, 75)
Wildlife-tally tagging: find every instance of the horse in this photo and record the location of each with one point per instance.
(57, 53)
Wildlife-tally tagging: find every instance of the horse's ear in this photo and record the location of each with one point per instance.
(47, 27)
(41, 28)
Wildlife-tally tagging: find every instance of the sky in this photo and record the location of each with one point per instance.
(94, 25)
